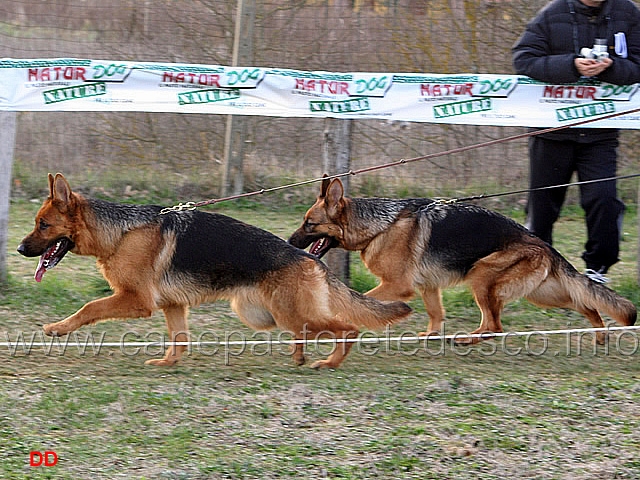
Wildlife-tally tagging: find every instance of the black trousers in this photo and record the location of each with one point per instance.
(552, 162)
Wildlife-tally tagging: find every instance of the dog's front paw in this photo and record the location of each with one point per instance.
(160, 362)
(323, 364)
(54, 329)
(429, 333)
(474, 337)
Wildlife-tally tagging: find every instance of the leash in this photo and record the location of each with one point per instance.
(527, 190)
(193, 205)
(448, 201)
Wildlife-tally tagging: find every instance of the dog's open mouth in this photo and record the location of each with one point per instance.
(52, 256)
(322, 246)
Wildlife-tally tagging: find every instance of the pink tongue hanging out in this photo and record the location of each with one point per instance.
(40, 270)
(47, 260)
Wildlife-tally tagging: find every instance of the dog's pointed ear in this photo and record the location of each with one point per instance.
(325, 185)
(60, 189)
(334, 195)
(50, 186)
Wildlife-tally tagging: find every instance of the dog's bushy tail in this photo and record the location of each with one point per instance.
(596, 296)
(364, 311)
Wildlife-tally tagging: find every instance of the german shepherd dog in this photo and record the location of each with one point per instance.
(180, 259)
(429, 245)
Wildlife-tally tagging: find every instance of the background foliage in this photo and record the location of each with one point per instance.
(176, 155)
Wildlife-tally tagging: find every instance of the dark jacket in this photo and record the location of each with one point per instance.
(554, 38)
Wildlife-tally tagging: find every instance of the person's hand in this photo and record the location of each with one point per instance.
(590, 67)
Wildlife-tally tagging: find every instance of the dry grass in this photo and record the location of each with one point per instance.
(397, 411)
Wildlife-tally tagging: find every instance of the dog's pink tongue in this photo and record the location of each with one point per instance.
(40, 270)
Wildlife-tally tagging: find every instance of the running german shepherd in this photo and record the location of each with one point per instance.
(428, 245)
(176, 260)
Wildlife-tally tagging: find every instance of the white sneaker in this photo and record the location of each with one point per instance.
(596, 276)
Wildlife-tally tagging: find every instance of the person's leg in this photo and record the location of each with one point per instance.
(550, 163)
(600, 202)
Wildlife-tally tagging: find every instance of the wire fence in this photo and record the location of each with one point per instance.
(173, 156)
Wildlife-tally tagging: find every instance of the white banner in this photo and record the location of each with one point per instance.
(506, 100)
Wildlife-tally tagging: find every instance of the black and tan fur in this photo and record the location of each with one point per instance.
(425, 245)
(176, 260)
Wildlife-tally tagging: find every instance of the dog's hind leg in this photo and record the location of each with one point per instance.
(297, 352)
(491, 307)
(118, 305)
(432, 299)
(504, 276)
(388, 291)
(176, 318)
(341, 332)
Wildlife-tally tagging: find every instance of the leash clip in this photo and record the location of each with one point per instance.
(438, 202)
(179, 208)
(444, 201)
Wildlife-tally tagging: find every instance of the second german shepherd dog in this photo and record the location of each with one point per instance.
(428, 245)
(180, 259)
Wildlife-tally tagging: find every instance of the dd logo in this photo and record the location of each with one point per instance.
(40, 459)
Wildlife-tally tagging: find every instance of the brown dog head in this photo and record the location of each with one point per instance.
(323, 222)
(54, 229)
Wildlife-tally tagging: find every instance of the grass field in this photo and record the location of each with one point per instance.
(539, 407)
